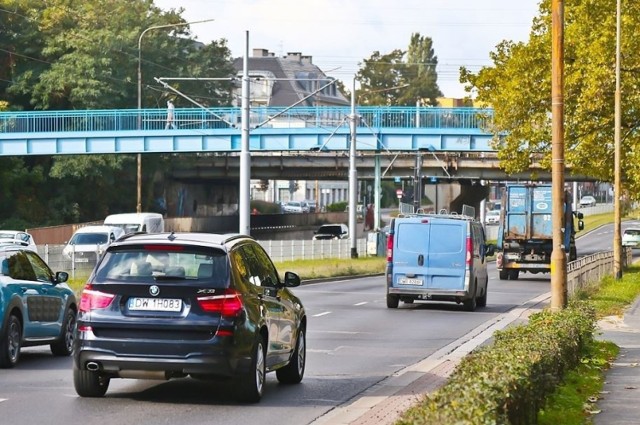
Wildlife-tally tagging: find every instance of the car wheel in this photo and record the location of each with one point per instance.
(64, 345)
(251, 385)
(482, 301)
(503, 274)
(10, 344)
(90, 384)
(392, 301)
(294, 371)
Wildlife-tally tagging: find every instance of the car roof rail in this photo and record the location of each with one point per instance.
(468, 214)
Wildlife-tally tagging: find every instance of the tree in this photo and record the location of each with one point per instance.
(400, 78)
(518, 87)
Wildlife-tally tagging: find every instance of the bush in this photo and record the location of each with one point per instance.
(265, 207)
(337, 207)
(508, 381)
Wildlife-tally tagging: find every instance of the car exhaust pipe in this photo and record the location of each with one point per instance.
(93, 366)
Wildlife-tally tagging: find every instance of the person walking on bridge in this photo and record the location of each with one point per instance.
(170, 113)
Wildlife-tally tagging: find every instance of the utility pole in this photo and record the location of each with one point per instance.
(617, 213)
(558, 254)
(353, 178)
(244, 199)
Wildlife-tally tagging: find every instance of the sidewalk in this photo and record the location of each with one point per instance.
(618, 402)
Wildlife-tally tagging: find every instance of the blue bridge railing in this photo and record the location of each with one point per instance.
(267, 117)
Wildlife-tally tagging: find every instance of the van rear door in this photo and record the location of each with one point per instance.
(429, 253)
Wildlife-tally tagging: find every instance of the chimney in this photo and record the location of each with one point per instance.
(293, 56)
(261, 53)
(307, 59)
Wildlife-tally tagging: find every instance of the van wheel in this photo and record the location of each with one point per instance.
(470, 304)
(504, 274)
(482, 301)
(392, 301)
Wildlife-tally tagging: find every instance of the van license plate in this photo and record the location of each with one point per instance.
(409, 281)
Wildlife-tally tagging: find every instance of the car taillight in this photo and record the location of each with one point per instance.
(228, 304)
(469, 251)
(390, 248)
(92, 299)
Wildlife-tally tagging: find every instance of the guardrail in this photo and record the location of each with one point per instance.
(590, 270)
(229, 117)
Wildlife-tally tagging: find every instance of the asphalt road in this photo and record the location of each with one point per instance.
(354, 342)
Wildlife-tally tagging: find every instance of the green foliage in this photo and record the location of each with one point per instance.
(337, 207)
(508, 381)
(264, 207)
(400, 78)
(518, 87)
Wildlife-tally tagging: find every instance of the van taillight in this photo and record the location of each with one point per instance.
(92, 299)
(390, 248)
(228, 304)
(469, 251)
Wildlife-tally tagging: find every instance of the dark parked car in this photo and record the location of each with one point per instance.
(37, 307)
(331, 231)
(171, 305)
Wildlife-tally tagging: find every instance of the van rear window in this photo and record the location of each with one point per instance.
(440, 238)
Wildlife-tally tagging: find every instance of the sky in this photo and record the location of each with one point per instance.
(340, 34)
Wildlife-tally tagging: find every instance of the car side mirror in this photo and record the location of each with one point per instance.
(291, 279)
(580, 215)
(490, 250)
(580, 225)
(62, 277)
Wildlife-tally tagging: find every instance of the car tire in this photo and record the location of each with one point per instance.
(294, 371)
(64, 345)
(250, 386)
(90, 384)
(482, 301)
(393, 301)
(11, 342)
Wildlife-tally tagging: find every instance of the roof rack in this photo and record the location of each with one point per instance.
(468, 213)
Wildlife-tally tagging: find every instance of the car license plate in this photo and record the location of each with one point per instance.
(155, 304)
(409, 281)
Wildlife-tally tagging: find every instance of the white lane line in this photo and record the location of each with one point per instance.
(322, 314)
(3, 399)
(362, 303)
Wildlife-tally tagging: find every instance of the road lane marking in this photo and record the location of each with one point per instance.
(362, 303)
(322, 314)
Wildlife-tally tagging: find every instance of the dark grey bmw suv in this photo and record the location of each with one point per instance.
(171, 305)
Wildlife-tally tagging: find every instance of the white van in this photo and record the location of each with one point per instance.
(137, 222)
(88, 243)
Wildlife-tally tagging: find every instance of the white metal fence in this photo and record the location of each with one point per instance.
(278, 250)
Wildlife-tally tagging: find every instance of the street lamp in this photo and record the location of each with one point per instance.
(139, 185)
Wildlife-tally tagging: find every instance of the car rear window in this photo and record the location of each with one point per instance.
(632, 232)
(89, 239)
(189, 264)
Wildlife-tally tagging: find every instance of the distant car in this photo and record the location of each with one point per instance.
(293, 207)
(172, 305)
(88, 243)
(37, 307)
(631, 237)
(331, 231)
(492, 217)
(313, 206)
(19, 238)
(306, 208)
(587, 201)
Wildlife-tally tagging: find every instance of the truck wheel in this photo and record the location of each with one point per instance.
(504, 274)
(392, 301)
(514, 274)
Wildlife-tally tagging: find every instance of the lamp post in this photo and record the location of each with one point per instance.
(139, 185)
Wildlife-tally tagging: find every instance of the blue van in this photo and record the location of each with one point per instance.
(437, 257)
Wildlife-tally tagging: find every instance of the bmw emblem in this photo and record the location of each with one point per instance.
(154, 290)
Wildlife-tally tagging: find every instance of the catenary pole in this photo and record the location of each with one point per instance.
(617, 213)
(244, 199)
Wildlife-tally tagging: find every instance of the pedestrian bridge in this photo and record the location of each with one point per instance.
(378, 129)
